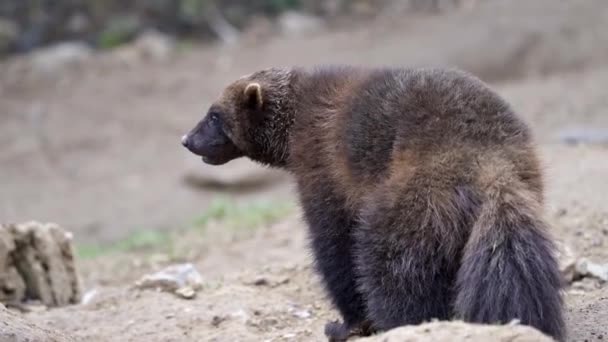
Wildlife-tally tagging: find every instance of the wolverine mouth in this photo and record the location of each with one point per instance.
(211, 161)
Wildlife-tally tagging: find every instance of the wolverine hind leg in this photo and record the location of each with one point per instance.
(407, 256)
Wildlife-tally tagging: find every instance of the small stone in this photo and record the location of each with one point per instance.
(186, 292)
(561, 212)
(566, 260)
(217, 320)
(88, 296)
(269, 321)
(181, 279)
(302, 314)
(261, 281)
(587, 268)
(240, 315)
(575, 292)
(585, 285)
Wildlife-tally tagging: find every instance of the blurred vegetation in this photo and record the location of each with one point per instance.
(237, 216)
(229, 214)
(26, 24)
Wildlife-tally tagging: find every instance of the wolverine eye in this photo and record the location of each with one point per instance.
(214, 118)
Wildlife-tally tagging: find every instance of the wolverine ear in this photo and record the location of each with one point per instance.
(253, 95)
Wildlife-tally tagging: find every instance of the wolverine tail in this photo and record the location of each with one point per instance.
(508, 268)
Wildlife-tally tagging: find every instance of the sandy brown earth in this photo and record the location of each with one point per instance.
(96, 149)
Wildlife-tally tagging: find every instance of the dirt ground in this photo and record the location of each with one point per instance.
(96, 149)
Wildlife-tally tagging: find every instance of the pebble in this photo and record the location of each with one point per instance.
(240, 315)
(186, 292)
(567, 261)
(587, 268)
(217, 320)
(182, 279)
(88, 296)
(302, 314)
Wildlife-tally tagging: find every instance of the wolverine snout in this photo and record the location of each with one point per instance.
(185, 140)
(189, 142)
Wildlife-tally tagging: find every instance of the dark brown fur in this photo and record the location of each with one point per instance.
(421, 188)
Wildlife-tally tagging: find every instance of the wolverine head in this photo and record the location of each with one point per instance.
(246, 120)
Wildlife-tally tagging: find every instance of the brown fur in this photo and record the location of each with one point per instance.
(421, 188)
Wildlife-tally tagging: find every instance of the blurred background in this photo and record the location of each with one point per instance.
(95, 95)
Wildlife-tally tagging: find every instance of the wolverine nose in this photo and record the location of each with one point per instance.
(185, 140)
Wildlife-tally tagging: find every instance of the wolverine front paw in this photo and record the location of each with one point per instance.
(339, 332)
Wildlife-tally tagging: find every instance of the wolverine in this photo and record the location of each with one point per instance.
(421, 188)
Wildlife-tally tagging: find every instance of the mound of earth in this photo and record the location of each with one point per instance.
(460, 331)
(14, 328)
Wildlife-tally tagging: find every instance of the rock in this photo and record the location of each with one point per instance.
(581, 135)
(182, 280)
(460, 331)
(303, 314)
(586, 285)
(56, 58)
(240, 315)
(293, 23)
(566, 260)
(186, 292)
(14, 328)
(88, 296)
(217, 320)
(587, 268)
(12, 286)
(37, 263)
